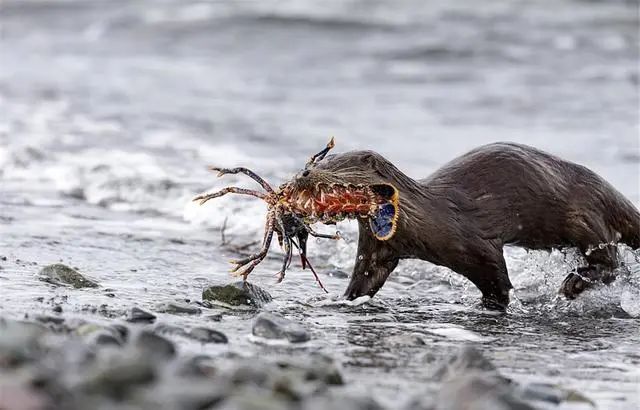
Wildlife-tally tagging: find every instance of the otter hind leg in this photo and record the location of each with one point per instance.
(602, 259)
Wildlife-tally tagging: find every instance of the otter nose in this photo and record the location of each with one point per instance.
(305, 173)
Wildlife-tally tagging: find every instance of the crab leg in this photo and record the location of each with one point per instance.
(229, 190)
(288, 252)
(320, 155)
(315, 275)
(242, 170)
(314, 233)
(252, 261)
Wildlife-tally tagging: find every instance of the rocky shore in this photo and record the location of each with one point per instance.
(52, 362)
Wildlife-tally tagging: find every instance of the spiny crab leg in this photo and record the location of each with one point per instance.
(229, 190)
(315, 275)
(287, 247)
(242, 170)
(286, 261)
(314, 233)
(252, 261)
(320, 155)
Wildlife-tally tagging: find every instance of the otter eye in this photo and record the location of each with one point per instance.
(305, 173)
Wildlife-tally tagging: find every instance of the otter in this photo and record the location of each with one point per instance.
(463, 215)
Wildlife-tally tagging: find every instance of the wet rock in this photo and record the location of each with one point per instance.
(121, 330)
(55, 320)
(154, 345)
(479, 391)
(137, 315)
(59, 275)
(170, 330)
(315, 367)
(185, 393)
(20, 341)
(177, 308)
(255, 399)
(118, 376)
(106, 338)
(411, 339)
(206, 335)
(468, 358)
(333, 401)
(99, 335)
(272, 326)
(215, 317)
(549, 393)
(471, 382)
(237, 294)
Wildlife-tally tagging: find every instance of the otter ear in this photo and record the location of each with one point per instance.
(386, 191)
(384, 222)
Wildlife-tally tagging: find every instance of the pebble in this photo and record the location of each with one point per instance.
(154, 345)
(273, 326)
(236, 294)
(59, 275)
(137, 315)
(177, 308)
(206, 335)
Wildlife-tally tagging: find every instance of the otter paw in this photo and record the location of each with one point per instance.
(575, 283)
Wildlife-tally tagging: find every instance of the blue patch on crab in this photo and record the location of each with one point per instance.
(383, 224)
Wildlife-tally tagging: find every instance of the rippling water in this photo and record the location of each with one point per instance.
(112, 109)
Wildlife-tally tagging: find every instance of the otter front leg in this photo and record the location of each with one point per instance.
(483, 264)
(375, 260)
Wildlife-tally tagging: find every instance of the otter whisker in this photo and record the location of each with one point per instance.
(229, 190)
(246, 171)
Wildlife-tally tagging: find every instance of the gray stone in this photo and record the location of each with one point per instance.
(243, 294)
(272, 326)
(118, 376)
(478, 390)
(466, 359)
(342, 402)
(170, 330)
(206, 335)
(19, 341)
(185, 393)
(178, 308)
(255, 399)
(59, 275)
(154, 345)
(137, 315)
(315, 367)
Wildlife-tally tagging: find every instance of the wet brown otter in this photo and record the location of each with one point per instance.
(496, 195)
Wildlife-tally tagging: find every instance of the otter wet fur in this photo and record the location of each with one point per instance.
(463, 215)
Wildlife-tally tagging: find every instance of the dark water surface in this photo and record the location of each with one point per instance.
(110, 110)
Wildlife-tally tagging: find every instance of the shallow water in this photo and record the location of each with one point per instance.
(112, 109)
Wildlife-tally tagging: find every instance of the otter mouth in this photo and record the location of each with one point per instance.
(331, 203)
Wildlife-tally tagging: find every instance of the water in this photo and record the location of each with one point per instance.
(112, 109)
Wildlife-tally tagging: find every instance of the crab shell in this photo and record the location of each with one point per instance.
(330, 203)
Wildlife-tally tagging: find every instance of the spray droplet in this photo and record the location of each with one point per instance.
(360, 257)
